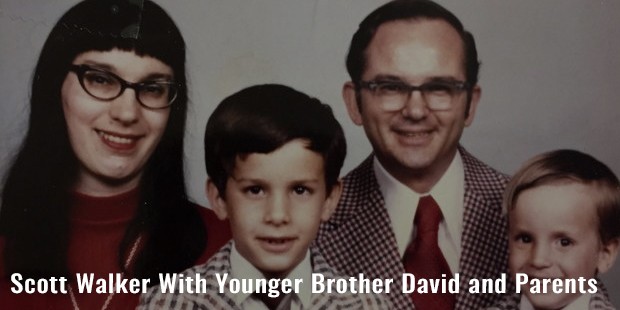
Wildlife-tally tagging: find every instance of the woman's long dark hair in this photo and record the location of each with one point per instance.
(35, 200)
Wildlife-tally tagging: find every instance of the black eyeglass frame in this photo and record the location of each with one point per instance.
(407, 89)
(80, 70)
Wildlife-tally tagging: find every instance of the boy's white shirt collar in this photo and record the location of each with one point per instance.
(402, 202)
(241, 268)
(581, 303)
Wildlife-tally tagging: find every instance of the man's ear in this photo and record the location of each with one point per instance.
(216, 200)
(331, 202)
(476, 92)
(349, 94)
(607, 255)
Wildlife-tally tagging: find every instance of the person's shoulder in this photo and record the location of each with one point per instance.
(481, 177)
(359, 189)
(600, 300)
(480, 169)
(359, 183)
(218, 232)
(360, 173)
(160, 297)
(218, 263)
(349, 300)
(346, 300)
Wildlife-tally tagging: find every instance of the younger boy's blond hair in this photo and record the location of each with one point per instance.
(567, 166)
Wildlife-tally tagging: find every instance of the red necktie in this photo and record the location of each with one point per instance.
(424, 259)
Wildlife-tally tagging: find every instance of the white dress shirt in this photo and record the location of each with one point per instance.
(581, 303)
(402, 202)
(242, 269)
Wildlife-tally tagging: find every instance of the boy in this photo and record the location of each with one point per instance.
(564, 229)
(273, 157)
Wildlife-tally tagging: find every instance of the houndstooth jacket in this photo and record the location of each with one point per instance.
(359, 239)
(220, 264)
(598, 301)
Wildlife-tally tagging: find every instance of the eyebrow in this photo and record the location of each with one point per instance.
(388, 77)
(395, 78)
(112, 69)
(443, 79)
(256, 180)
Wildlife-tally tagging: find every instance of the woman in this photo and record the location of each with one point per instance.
(97, 186)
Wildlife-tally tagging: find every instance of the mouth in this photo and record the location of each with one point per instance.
(118, 141)
(414, 137)
(414, 134)
(276, 244)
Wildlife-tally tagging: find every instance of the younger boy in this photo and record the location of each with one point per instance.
(564, 225)
(273, 157)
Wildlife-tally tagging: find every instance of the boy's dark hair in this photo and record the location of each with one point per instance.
(261, 119)
(568, 166)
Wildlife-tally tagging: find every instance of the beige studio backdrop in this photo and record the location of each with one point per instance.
(550, 70)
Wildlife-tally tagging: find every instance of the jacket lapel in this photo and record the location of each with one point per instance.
(363, 241)
(366, 232)
(484, 242)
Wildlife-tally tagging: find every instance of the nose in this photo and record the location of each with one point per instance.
(125, 109)
(278, 210)
(415, 106)
(540, 256)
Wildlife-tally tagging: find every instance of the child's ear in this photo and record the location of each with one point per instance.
(332, 201)
(607, 255)
(218, 204)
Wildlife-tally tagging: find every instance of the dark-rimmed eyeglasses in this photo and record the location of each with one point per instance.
(107, 86)
(393, 95)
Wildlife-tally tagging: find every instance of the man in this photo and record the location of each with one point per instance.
(413, 88)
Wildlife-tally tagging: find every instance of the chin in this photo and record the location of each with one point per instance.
(415, 161)
(276, 271)
(273, 263)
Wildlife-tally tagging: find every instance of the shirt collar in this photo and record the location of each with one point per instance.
(241, 268)
(448, 193)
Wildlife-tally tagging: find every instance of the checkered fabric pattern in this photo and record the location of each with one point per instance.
(598, 301)
(220, 264)
(359, 239)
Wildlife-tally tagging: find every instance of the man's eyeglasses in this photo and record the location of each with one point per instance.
(107, 86)
(393, 95)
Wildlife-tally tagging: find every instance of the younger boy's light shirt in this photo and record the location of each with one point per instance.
(401, 203)
(581, 303)
(241, 268)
